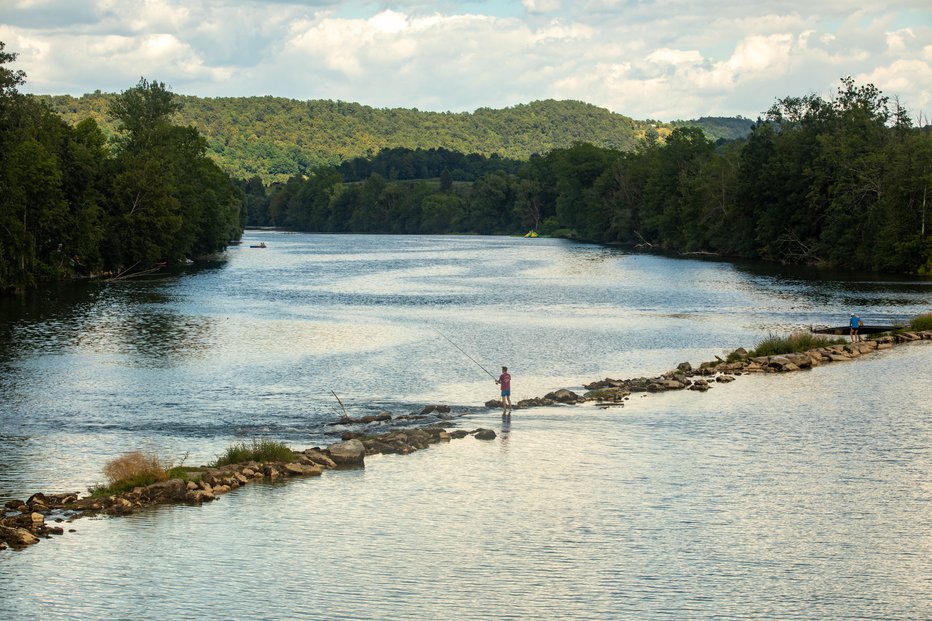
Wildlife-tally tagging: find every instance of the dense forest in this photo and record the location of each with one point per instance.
(74, 203)
(276, 138)
(841, 182)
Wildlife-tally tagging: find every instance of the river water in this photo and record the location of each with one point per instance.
(774, 497)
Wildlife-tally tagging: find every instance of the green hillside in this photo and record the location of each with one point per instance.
(276, 138)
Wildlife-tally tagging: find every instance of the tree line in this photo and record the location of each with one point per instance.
(840, 182)
(276, 138)
(74, 203)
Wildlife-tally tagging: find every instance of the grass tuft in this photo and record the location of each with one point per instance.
(260, 450)
(775, 345)
(131, 470)
(921, 322)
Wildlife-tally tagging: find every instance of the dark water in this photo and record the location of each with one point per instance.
(803, 497)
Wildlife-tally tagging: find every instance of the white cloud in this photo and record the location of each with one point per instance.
(660, 59)
(675, 57)
(541, 6)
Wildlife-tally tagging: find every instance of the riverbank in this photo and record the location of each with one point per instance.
(24, 523)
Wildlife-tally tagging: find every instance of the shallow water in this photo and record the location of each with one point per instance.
(791, 497)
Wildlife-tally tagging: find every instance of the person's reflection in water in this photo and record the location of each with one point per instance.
(506, 430)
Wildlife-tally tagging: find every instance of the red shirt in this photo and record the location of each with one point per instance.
(505, 381)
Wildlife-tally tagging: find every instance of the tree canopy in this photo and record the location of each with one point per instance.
(74, 203)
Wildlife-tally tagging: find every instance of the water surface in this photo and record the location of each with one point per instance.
(790, 497)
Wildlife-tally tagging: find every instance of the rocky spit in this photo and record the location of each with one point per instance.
(24, 523)
(614, 392)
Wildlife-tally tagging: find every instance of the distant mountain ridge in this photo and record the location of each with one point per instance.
(275, 138)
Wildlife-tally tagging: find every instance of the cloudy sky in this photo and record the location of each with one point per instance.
(658, 59)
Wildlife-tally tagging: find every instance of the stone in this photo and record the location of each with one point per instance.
(485, 434)
(456, 434)
(349, 453)
(562, 396)
(725, 378)
(166, 491)
(16, 505)
(684, 367)
(439, 409)
(17, 537)
(296, 469)
(38, 502)
(319, 458)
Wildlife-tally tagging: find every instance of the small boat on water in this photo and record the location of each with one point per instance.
(844, 330)
(259, 245)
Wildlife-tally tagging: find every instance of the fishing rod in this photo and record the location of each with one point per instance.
(464, 353)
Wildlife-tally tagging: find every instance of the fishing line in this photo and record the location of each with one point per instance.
(463, 352)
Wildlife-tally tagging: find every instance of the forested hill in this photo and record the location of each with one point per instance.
(276, 138)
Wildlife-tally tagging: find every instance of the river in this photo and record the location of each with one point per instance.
(803, 496)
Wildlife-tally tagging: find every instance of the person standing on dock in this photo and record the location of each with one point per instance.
(856, 324)
(504, 380)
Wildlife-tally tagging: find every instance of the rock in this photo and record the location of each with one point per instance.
(701, 385)
(38, 502)
(613, 395)
(172, 490)
(485, 434)
(725, 378)
(349, 453)
(456, 434)
(562, 396)
(319, 458)
(16, 505)
(295, 469)
(439, 409)
(685, 367)
(493, 403)
(17, 537)
(536, 402)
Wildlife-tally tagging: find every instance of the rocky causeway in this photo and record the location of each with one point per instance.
(43, 515)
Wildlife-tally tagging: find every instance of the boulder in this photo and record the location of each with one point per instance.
(456, 434)
(349, 453)
(38, 502)
(725, 378)
(535, 402)
(316, 456)
(562, 396)
(485, 434)
(16, 505)
(296, 469)
(685, 367)
(437, 408)
(17, 537)
(172, 490)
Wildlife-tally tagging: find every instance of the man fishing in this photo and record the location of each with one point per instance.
(504, 380)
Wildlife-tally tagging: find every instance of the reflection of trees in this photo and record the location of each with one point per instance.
(137, 319)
